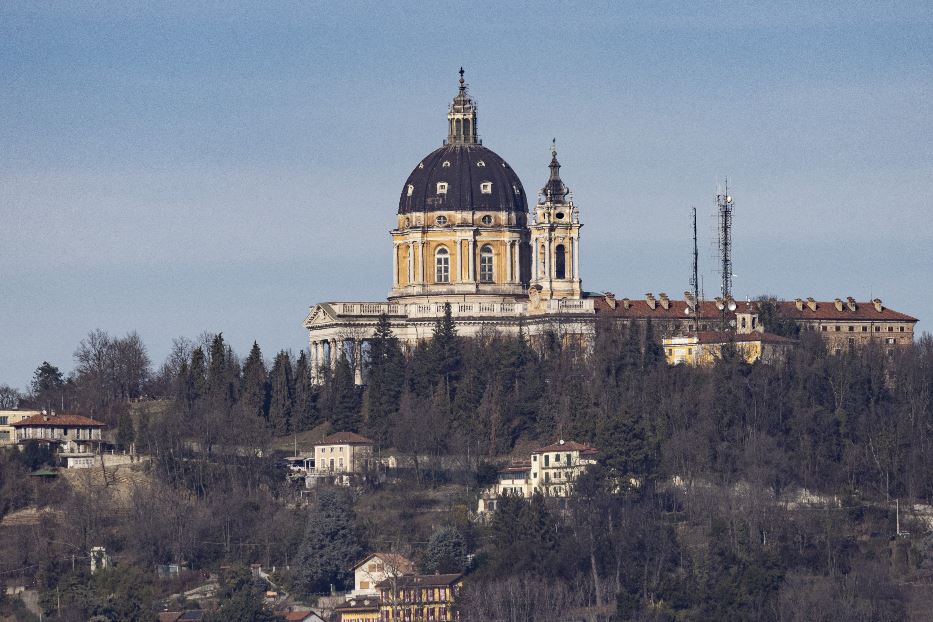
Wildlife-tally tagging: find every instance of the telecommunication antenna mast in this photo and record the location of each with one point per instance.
(695, 277)
(724, 203)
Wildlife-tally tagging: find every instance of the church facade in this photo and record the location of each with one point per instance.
(464, 237)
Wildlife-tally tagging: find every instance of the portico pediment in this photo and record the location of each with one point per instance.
(320, 315)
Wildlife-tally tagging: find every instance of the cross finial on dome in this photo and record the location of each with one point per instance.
(553, 147)
(462, 81)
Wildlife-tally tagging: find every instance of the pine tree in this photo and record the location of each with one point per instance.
(653, 356)
(125, 432)
(446, 351)
(305, 415)
(254, 387)
(446, 552)
(281, 394)
(331, 539)
(342, 398)
(385, 377)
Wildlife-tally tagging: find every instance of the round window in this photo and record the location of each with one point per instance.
(560, 215)
(487, 219)
(441, 220)
(408, 222)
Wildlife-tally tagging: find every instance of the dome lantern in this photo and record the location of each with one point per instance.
(461, 118)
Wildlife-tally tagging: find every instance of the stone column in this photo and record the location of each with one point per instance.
(411, 262)
(459, 261)
(576, 257)
(508, 261)
(421, 262)
(517, 260)
(470, 259)
(333, 353)
(358, 361)
(395, 265)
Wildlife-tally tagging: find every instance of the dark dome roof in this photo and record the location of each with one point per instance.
(464, 167)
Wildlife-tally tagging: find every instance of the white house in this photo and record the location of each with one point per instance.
(76, 439)
(341, 455)
(549, 470)
(375, 568)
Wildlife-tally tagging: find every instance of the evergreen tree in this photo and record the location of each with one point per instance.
(47, 385)
(125, 432)
(305, 415)
(446, 552)
(197, 376)
(254, 387)
(331, 543)
(445, 347)
(653, 356)
(342, 398)
(281, 394)
(385, 377)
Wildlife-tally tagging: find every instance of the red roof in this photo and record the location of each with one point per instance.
(63, 420)
(398, 563)
(345, 438)
(639, 309)
(565, 446)
(420, 580)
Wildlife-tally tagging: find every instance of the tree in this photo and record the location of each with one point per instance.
(9, 397)
(254, 387)
(281, 394)
(126, 434)
(241, 598)
(342, 397)
(305, 415)
(385, 376)
(653, 356)
(446, 552)
(446, 353)
(331, 544)
(47, 385)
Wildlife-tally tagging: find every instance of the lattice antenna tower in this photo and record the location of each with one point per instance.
(724, 203)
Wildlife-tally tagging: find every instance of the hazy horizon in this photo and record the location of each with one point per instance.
(173, 170)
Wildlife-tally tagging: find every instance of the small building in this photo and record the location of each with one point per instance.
(359, 609)
(550, 470)
(7, 419)
(704, 348)
(299, 616)
(374, 569)
(419, 597)
(75, 438)
(343, 455)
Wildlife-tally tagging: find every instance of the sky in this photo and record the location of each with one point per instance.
(175, 168)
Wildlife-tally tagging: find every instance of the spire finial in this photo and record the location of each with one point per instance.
(461, 79)
(553, 147)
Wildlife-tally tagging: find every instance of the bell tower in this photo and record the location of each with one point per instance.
(555, 239)
(461, 118)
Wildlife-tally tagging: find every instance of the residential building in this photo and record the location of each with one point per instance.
(342, 455)
(7, 419)
(550, 471)
(75, 438)
(375, 568)
(359, 609)
(299, 616)
(463, 238)
(427, 598)
(704, 348)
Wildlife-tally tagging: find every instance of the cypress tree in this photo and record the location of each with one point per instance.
(653, 356)
(446, 350)
(281, 394)
(254, 387)
(197, 376)
(342, 401)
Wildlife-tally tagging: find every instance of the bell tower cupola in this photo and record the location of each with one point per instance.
(461, 118)
(555, 239)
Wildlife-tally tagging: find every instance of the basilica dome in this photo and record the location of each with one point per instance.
(463, 177)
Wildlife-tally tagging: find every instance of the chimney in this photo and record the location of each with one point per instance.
(626, 303)
(610, 299)
(798, 303)
(811, 304)
(838, 304)
(877, 303)
(850, 302)
(690, 300)
(665, 301)
(649, 298)
(720, 304)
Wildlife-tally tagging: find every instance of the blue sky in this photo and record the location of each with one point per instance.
(176, 168)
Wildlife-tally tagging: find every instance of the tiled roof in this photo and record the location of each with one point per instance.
(359, 603)
(564, 446)
(345, 438)
(708, 310)
(296, 616)
(420, 580)
(59, 420)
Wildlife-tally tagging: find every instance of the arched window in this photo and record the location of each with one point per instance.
(458, 134)
(442, 265)
(560, 263)
(485, 264)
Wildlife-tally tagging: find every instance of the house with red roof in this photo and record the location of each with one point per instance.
(76, 439)
(342, 456)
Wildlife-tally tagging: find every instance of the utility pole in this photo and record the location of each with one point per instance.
(695, 277)
(724, 205)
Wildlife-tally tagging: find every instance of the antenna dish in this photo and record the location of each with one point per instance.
(728, 199)
(732, 305)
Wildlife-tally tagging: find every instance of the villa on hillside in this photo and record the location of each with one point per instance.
(75, 439)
